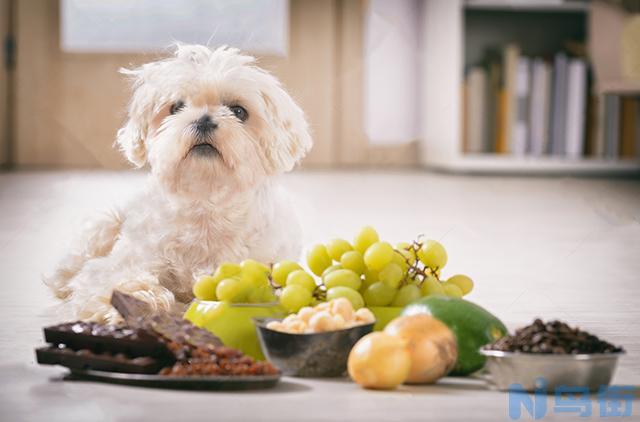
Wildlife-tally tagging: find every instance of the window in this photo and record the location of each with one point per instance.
(257, 26)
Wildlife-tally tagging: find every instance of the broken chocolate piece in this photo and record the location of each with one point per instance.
(130, 308)
(172, 328)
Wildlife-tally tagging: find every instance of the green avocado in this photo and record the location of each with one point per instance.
(472, 325)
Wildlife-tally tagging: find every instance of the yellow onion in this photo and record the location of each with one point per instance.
(431, 343)
(379, 361)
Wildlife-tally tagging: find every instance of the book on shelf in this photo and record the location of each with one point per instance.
(520, 129)
(559, 105)
(508, 112)
(539, 107)
(494, 81)
(576, 108)
(475, 110)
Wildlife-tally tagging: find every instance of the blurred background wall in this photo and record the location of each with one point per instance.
(69, 102)
(437, 83)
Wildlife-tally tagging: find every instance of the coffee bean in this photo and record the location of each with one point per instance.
(554, 337)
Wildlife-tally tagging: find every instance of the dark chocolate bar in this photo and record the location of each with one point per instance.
(148, 343)
(87, 359)
(101, 338)
(170, 327)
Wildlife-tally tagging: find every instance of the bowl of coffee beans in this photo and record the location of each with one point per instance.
(544, 355)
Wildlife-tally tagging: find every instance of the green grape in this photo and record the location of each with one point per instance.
(318, 259)
(406, 295)
(399, 260)
(379, 294)
(256, 279)
(408, 254)
(331, 268)
(337, 247)
(346, 278)
(432, 254)
(352, 295)
(367, 237)
(378, 255)
(294, 297)
(301, 278)
(371, 276)
(259, 294)
(353, 261)
(205, 288)
(269, 296)
(255, 272)
(282, 269)
(431, 286)
(403, 245)
(226, 270)
(452, 290)
(391, 275)
(366, 282)
(463, 282)
(232, 290)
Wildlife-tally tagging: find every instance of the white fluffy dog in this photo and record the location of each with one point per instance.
(215, 130)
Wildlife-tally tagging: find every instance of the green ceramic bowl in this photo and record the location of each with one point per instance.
(233, 323)
(384, 315)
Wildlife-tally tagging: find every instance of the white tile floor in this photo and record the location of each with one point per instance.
(555, 248)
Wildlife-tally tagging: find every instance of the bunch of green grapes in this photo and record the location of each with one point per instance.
(367, 272)
(247, 282)
(371, 272)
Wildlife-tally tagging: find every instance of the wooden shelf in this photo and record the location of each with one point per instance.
(619, 87)
(527, 6)
(544, 165)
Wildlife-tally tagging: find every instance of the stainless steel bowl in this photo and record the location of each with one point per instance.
(309, 355)
(531, 371)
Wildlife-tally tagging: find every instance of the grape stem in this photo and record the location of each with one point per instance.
(275, 286)
(417, 272)
(320, 293)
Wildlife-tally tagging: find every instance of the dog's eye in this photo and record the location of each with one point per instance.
(239, 112)
(176, 107)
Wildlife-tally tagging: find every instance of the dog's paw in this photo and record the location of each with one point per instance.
(98, 310)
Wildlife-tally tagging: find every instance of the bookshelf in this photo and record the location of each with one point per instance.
(452, 37)
(527, 6)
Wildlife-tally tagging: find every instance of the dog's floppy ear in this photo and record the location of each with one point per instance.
(291, 139)
(131, 142)
(132, 134)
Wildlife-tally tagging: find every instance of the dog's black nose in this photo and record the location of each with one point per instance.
(204, 124)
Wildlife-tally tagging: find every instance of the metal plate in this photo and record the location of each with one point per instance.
(246, 382)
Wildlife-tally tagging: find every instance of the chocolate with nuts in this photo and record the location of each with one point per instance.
(149, 343)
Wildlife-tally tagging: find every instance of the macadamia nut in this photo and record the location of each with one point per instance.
(336, 314)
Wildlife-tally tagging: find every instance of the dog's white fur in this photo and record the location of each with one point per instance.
(197, 211)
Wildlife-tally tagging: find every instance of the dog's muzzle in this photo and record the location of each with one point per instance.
(204, 125)
(204, 128)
